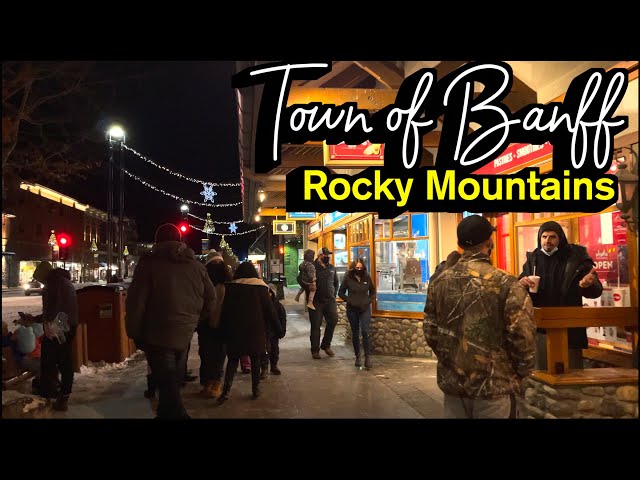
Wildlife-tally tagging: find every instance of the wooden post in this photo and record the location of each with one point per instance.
(557, 351)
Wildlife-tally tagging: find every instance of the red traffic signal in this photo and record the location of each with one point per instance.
(183, 227)
(281, 249)
(64, 240)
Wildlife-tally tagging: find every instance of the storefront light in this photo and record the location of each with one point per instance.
(628, 185)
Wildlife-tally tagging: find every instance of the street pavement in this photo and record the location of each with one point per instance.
(329, 388)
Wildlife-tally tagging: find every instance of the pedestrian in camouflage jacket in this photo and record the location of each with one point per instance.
(479, 323)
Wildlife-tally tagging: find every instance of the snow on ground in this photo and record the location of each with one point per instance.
(12, 305)
(97, 381)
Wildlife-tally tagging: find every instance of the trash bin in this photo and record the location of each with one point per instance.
(279, 287)
(101, 309)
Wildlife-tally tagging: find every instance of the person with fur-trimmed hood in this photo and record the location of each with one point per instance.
(210, 342)
(169, 292)
(246, 320)
(567, 273)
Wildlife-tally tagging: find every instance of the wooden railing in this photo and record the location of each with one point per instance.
(556, 321)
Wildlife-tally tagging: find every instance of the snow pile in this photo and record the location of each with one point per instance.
(102, 367)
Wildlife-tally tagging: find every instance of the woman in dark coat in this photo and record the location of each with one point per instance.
(358, 292)
(247, 317)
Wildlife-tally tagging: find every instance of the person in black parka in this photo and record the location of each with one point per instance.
(246, 319)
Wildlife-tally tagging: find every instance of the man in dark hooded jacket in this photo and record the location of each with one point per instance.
(58, 296)
(169, 291)
(566, 274)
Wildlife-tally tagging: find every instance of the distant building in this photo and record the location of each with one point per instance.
(27, 236)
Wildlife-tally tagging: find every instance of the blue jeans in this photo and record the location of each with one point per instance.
(360, 323)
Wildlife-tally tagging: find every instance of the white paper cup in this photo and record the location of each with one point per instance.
(536, 280)
(619, 295)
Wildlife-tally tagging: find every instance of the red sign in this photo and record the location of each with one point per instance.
(365, 154)
(518, 155)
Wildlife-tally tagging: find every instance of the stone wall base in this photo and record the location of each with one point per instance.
(578, 401)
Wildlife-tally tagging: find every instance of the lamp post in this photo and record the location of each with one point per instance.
(94, 249)
(628, 184)
(52, 242)
(115, 136)
(125, 253)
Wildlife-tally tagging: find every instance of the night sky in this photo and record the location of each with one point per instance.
(182, 116)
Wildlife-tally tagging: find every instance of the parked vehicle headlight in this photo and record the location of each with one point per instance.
(26, 286)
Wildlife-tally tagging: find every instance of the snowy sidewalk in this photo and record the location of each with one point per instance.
(397, 387)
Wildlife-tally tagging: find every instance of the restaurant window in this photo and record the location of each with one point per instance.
(340, 254)
(604, 235)
(382, 227)
(402, 266)
(419, 225)
(503, 241)
(527, 240)
(359, 242)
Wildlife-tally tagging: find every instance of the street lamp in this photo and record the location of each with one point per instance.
(52, 242)
(628, 185)
(125, 253)
(94, 250)
(116, 137)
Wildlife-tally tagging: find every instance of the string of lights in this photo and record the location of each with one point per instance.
(177, 174)
(214, 221)
(228, 234)
(176, 197)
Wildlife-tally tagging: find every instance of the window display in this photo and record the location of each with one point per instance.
(402, 275)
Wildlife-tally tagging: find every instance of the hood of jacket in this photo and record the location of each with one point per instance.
(172, 250)
(554, 227)
(59, 273)
(309, 255)
(250, 281)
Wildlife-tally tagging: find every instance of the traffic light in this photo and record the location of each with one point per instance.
(183, 227)
(281, 249)
(64, 242)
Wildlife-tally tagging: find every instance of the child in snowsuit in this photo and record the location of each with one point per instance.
(307, 278)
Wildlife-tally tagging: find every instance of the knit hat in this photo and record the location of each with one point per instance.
(168, 232)
(211, 256)
(42, 271)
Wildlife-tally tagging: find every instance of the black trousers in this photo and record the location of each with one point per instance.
(56, 361)
(274, 351)
(328, 310)
(212, 353)
(233, 359)
(167, 371)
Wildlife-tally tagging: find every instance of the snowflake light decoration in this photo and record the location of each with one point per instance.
(232, 227)
(208, 193)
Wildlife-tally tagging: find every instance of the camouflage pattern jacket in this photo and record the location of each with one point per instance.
(479, 322)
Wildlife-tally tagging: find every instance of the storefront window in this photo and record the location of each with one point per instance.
(605, 238)
(527, 240)
(383, 228)
(401, 226)
(402, 275)
(340, 258)
(504, 242)
(419, 225)
(361, 252)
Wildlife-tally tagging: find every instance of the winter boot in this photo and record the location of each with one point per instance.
(207, 390)
(264, 373)
(61, 404)
(367, 362)
(275, 370)
(358, 360)
(216, 388)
